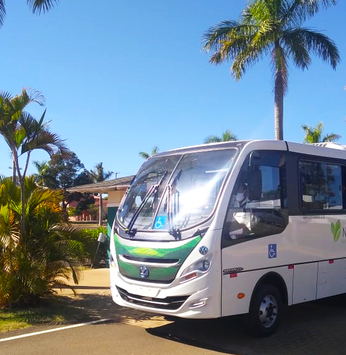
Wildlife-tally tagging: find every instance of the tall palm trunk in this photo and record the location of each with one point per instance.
(14, 175)
(21, 179)
(279, 105)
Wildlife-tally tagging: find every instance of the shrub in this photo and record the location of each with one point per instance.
(45, 255)
(96, 253)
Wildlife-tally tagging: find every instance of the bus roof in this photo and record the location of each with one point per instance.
(328, 149)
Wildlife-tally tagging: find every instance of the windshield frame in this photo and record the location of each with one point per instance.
(171, 177)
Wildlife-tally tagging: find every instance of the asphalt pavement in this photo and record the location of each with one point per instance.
(315, 328)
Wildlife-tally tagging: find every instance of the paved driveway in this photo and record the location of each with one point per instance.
(315, 328)
(311, 329)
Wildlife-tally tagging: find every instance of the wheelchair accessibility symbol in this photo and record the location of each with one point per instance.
(160, 222)
(272, 251)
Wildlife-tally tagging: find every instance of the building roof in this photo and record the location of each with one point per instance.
(105, 186)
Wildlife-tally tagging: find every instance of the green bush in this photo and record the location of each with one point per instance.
(45, 255)
(96, 253)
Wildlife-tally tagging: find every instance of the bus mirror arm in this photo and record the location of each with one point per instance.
(200, 232)
(175, 233)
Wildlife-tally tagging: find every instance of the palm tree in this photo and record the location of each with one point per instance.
(227, 136)
(42, 168)
(145, 155)
(272, 27)
(314, 134)
(36, 6)
(99, 175)
(23, 133)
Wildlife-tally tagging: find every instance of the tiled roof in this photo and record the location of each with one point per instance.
(104, 186)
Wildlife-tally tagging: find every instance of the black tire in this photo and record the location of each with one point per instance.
(265, 310)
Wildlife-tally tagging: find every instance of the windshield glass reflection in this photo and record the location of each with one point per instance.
(175, 192)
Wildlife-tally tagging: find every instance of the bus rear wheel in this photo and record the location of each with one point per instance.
(265, 310)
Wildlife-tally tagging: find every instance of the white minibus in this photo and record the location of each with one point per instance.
(243, 227)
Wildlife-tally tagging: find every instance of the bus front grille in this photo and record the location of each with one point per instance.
(169, 303)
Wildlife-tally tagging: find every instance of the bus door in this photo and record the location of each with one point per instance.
(257, 209)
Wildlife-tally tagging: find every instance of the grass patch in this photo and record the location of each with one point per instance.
(52, 311)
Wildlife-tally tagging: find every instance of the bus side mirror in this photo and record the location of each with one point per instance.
(255, 184)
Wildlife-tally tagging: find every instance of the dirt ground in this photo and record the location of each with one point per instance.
(93, 297)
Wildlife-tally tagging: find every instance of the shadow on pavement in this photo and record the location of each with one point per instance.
(101, 306)
(316, 328)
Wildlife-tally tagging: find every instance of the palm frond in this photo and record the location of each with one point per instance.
(300, 41)
(245, 59)
(99, 174)
(213, 139)
(155, 150)
(26, 97)
(214, 37)
(298, 11)
(38, 6)
(257, 11)
(314, 134)
(38, 136)
(227, 136)
(296, 48)
(2, 12)
(144, 155)
(331, 137)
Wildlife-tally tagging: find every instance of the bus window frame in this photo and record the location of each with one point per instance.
(321, 160)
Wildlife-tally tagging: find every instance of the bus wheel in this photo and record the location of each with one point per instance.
(265, 310)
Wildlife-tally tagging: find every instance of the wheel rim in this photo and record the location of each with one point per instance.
(268, 311)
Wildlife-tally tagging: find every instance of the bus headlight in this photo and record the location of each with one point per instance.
(196, 269)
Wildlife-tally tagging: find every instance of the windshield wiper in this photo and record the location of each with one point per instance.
(153, 190)
(173, 210)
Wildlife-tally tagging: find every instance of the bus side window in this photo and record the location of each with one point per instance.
(321, 186)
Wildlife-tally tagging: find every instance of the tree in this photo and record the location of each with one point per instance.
(314, 134)
(226, 137)
(63, 171)
(31, 263)
(42, 168)
(99, 175)
(36, 6)
(24, 134)
(272, 27)
(145, 155)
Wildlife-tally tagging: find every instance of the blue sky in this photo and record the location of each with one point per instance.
(129, 75)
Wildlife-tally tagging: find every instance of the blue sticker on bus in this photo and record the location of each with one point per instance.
(160, 222)
(272, 251)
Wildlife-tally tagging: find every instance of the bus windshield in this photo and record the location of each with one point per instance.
(175, 192)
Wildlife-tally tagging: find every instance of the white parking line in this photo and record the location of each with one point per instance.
(54, 330)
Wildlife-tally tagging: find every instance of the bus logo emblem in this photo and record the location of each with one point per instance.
(336, 230)
(203, 250)
(143, 272)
